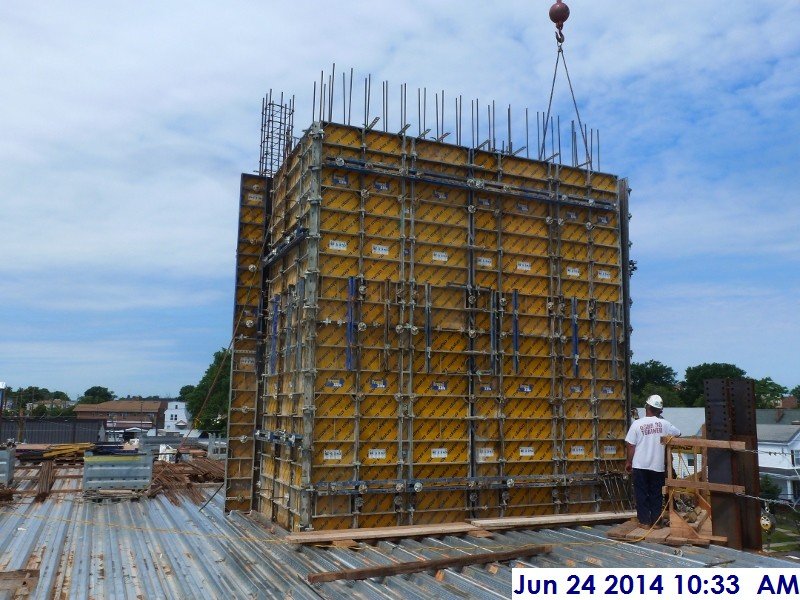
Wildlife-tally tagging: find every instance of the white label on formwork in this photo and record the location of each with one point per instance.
(522, 207)
(577, 450)
(525, 451)
(254, 197)
(440, 256)
(486, 387)
(484, 261)
(334, 383)
(485, 452)
(332, 455)
(380, 250)
(573, 271)
(378, 453)
(337, 245)
(576, 389)
(525, 388)
(247, 361)
(609, 449)
(382, 186)
(607, 389)
(438, 452)
(523, 265)
(439, 386)
(440, 195)
(340, 179)
(603, 274)
(484, 202)
(572, 216)
(602, 220)
(378, 384)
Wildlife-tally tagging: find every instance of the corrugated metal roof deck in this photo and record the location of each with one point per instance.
(153, 549)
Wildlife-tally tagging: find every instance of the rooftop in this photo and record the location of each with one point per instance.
(155, 549)
(782, 416)
(121, 406)
(780, 434)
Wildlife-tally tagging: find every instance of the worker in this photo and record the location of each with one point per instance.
(646, 460)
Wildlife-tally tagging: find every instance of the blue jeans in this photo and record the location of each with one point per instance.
(647, 487)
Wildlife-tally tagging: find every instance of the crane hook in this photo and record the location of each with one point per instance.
(559, 13)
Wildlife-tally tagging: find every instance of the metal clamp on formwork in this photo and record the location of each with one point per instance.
(287, 243)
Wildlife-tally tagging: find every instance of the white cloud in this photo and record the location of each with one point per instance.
(125, 130)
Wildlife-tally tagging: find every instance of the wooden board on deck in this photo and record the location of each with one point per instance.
(380, 533)
(565, 520)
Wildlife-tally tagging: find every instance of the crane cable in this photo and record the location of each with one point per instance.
(559, 13)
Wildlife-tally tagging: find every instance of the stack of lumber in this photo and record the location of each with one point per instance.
(40, 452)
(182, 479)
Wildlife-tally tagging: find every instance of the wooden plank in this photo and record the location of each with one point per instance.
(427, 565)
(619, 532)
(480, 533)
(682, 541)
(675, 442)
(380, 533)
(703, 485)
(552, 520)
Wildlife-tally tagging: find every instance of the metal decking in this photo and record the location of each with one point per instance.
(154, 549)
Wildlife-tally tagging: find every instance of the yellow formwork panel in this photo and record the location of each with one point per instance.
(398, 235)
(530, 501)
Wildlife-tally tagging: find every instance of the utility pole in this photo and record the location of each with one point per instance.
(2, 407)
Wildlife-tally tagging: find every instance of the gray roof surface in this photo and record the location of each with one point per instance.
(154, 549)
(777, 415)
(777, 433)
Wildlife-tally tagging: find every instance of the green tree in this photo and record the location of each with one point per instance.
(769, 489)
(795, 391)
(185, 392)
(61, 412)
(95, 395)
(59, 395)
(653, 373)
(208, 401)
(769, 393)
(40, 410)
(692, 388)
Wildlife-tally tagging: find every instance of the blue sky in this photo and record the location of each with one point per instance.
(125, 129)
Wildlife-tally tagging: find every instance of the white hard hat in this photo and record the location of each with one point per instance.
(656, 402)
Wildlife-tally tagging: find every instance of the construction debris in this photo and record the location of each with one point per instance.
(47, 476)
(183, 478)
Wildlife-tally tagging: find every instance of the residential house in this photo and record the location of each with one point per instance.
(779, 457)
(176, 417)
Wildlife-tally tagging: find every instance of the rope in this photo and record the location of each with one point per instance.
(561, 57)
(575, 104)
(550, 104)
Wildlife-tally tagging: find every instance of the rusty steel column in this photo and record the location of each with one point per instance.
(730, 416)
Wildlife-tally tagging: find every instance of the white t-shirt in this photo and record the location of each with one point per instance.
(645, 434)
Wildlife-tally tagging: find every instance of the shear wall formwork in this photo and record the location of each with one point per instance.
(444, 336)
